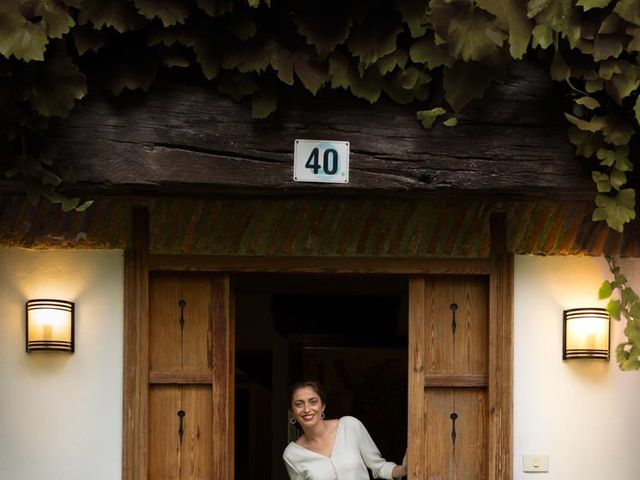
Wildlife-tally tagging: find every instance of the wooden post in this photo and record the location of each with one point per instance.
(136, 381)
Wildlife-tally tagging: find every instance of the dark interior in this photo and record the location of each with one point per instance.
(347, 331)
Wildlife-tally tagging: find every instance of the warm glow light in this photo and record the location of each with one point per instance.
(50, 325)
(586, 333)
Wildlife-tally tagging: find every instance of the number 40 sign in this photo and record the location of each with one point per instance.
(321, 161)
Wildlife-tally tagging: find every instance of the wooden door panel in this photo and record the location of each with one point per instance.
(196, 462)
(165, 353)
(197, 333)
(472, 322)
(164, 440)
(439, 454)
(439, 295)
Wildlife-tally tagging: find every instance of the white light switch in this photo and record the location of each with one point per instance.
(537, 462)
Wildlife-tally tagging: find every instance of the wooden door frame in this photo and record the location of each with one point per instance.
(139, 263)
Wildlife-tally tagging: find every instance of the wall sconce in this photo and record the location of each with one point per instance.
(50, 325)
(585, 333)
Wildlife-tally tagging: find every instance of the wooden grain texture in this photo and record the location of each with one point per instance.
(197, 337)
(165, 345)
(165, 449)
(439, 453)
(197, 445)
(472, 322)
(201, 378)
(471, 455)
(212, 263)
(500, 391)
(136, 351)
(416, 452)
(183, 137)
(432, 380)
(223, 369)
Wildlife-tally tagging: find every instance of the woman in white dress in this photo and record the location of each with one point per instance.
(331, 449)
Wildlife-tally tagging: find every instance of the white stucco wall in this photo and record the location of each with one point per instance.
(60, 413)
(585, 414)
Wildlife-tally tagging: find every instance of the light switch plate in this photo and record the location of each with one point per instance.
(535, 463)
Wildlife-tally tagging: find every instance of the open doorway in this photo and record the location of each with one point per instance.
(347, 331)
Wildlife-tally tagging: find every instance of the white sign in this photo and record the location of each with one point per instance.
(324, 161)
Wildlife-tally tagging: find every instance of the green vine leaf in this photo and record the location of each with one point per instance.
(512, 17)
(466, 81)
(170, 12)
(426, 51)
(629, 10)
(132, 73)
(414, 14)
(264, 103)
(605, 290)
(589, 102)
(56, 85)
(602, 181)
(470, 33)
(429, 117)
(589, 4)
(119, 14)
(18, 36)
(616, 211)
(324, 24)
(398, 58)
(88, 39)
(374, 37)
(216, 8)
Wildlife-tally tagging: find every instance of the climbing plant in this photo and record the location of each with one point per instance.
(52, 51)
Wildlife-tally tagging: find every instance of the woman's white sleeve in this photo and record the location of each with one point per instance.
(293, 473)
(371, 455)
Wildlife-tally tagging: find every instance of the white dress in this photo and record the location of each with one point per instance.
(353, 451)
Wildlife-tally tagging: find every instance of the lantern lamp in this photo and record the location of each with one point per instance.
(585, 333)
(50, 325)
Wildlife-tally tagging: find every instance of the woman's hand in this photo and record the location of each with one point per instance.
(400, 471)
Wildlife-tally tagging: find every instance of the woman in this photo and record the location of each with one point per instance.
(331, 449)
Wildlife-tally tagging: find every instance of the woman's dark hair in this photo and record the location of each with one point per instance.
(315, 385)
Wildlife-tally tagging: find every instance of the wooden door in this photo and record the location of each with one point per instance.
(448, 370)
(190, 377)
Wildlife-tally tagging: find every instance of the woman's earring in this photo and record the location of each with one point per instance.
(322, 415)
(292, 420)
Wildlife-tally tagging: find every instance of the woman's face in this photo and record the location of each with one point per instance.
(306, 407)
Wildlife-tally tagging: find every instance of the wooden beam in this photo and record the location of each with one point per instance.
(338, 265)
(183, 138)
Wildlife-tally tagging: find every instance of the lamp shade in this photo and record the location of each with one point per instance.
(585, 333)
(50, 325)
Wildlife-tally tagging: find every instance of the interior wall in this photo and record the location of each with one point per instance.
(61, 413)
(582, 413)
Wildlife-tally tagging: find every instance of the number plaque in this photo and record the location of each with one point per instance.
(325, 161)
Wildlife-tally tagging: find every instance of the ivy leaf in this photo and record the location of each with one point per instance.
(589, 4)
(616, 211)
(87, 38)
(170, 12)
(617, 157)
(634, 44)
(428, 117)
(512, 14)
(236, 85)
(625, 82)
(282, 62)
(616, 130)
(589, 102)
(374, 37)
(636, 109)
(628, 296)
(216, 8)
(242, 25)
(339, 71)
(18, 36)
(55, 17)
(414, 14)
(618, 178)
(613, 308)
(560, 72)
(131, 72)
(426, 51)
(554, 16)
(470, 33)
(451, 122)
(605, 290)
(602, 181)
(628, 10)
(464, 82)
(397, 58)
(208, 54)
(56, 85)
(324, 24)
(264, 103)
(368, 85)
(311, 73)
(594, 125)
(606, 46)
(404, 86)
(119, 14)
